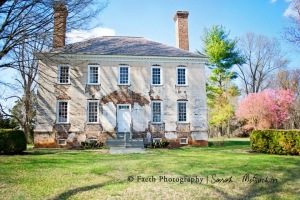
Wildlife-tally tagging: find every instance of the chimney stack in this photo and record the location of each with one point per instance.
(181, 25)
(60, 22)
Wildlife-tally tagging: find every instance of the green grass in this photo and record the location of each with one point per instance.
(63, 174)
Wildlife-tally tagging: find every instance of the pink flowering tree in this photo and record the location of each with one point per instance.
(267, 109)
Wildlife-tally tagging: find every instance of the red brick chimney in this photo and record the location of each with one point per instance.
(182, 34)
(60, 22)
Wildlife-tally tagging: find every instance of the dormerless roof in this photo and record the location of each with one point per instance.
(123, 45)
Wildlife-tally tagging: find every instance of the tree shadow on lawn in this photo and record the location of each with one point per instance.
(69, 193)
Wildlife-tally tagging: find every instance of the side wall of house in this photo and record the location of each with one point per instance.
(139, 94)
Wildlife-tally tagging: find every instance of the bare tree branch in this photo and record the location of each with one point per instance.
(262, 56)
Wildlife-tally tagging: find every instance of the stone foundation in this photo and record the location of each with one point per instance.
(74, 139)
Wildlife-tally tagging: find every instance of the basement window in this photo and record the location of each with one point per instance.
(63, 74)
(155, 140)
(62, 142)
(92, 140)
(183, 141)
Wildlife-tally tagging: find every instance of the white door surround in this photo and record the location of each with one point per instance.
(123, 117)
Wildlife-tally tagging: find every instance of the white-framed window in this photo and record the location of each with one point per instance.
(183, 140)
(154, 140)
(93, 111)
(63, 74)
(93, 74)
(182, 111)
(156, 108)
(124, 75)
(61, 141)
(62, 111)
(156, 75)
(181, 76)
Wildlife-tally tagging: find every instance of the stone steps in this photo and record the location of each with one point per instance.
(120, 141)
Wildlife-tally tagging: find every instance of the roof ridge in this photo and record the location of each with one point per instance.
(125, 45)
(121, 36)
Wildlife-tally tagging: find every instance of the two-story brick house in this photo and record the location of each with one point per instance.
(107, 86)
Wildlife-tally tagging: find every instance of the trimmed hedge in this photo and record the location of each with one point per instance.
(12, 141)
(281, 142)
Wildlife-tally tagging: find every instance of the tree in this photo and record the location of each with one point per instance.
(290, 80)
(292, 33)
(26, 20)
(222, 56)
(26, 29)
(262, 57)
(267, 109)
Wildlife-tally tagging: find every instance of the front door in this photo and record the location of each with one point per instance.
(123, 118)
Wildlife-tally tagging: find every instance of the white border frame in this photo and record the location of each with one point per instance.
(186, 110)
(88, 78)
(87, 113)
(186, 75)
(68, 111)
(58, 74)
(129, 78)
(161, 75)
(161, 111)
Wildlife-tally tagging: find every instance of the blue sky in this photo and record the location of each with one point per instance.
(154, 19)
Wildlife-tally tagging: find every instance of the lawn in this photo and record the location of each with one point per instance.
(66, 174)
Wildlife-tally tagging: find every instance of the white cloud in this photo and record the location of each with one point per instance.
(273, 1)
(291, 10)
(81, 35)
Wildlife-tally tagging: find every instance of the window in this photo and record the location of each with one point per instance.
(62, 112)
(92, 140)
(63, 74)
(123, 107)
(181, 109)
(156, 140)
(156, 74)
(181, 76)
(62, 142)
(156, 111)
(183, 141)
(93, 74)
(93, 111)
(124, 78)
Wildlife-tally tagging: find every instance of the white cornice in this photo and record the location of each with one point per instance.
(123, 58)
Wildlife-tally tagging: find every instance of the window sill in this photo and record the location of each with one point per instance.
(157, 123)
(63, 83)
(123, 84)
(63, 123)
(156, 85)
(181, 85)
(186, 122)
(94, 84)
(92, 123)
